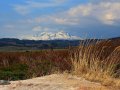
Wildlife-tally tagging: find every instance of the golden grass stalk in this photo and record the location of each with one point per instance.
(89, 61)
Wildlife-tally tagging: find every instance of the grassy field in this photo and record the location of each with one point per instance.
(23, 65)
(99, 62)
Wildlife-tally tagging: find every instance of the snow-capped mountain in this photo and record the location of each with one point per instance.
(52, 36)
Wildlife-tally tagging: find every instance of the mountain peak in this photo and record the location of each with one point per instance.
(61, 35)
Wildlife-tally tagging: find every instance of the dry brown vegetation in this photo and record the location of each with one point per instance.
(23, 65)
(98, 61)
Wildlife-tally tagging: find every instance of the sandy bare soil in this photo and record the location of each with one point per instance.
(54, 82)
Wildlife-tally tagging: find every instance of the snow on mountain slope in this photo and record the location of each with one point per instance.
(52, 36)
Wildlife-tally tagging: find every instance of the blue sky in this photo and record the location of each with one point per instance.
(94, 18)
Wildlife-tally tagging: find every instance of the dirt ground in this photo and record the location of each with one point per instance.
(54, 82)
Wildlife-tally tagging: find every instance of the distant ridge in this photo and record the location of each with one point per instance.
(14, 44)
(116, 38)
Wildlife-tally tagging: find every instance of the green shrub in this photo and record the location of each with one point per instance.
(14, 72)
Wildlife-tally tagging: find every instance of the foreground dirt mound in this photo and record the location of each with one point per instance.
(54, 82)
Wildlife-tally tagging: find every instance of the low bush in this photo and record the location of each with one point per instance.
(14, 72)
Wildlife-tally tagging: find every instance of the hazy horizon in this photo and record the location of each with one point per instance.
(93, 18)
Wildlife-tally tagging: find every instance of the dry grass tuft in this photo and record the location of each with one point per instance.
(91, 61)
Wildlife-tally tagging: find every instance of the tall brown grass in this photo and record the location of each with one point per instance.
(91, 61)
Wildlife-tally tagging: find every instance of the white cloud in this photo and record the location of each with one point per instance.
(37, 28)
(80, 10)
(23, 10)
(81, 15)
(29, 5)
(9, 26)
(107, 13)
(98, 1)
(31, 37)
(59, 1)
(64, 21)
(108, 18)
(104, 12)
(41, 29)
